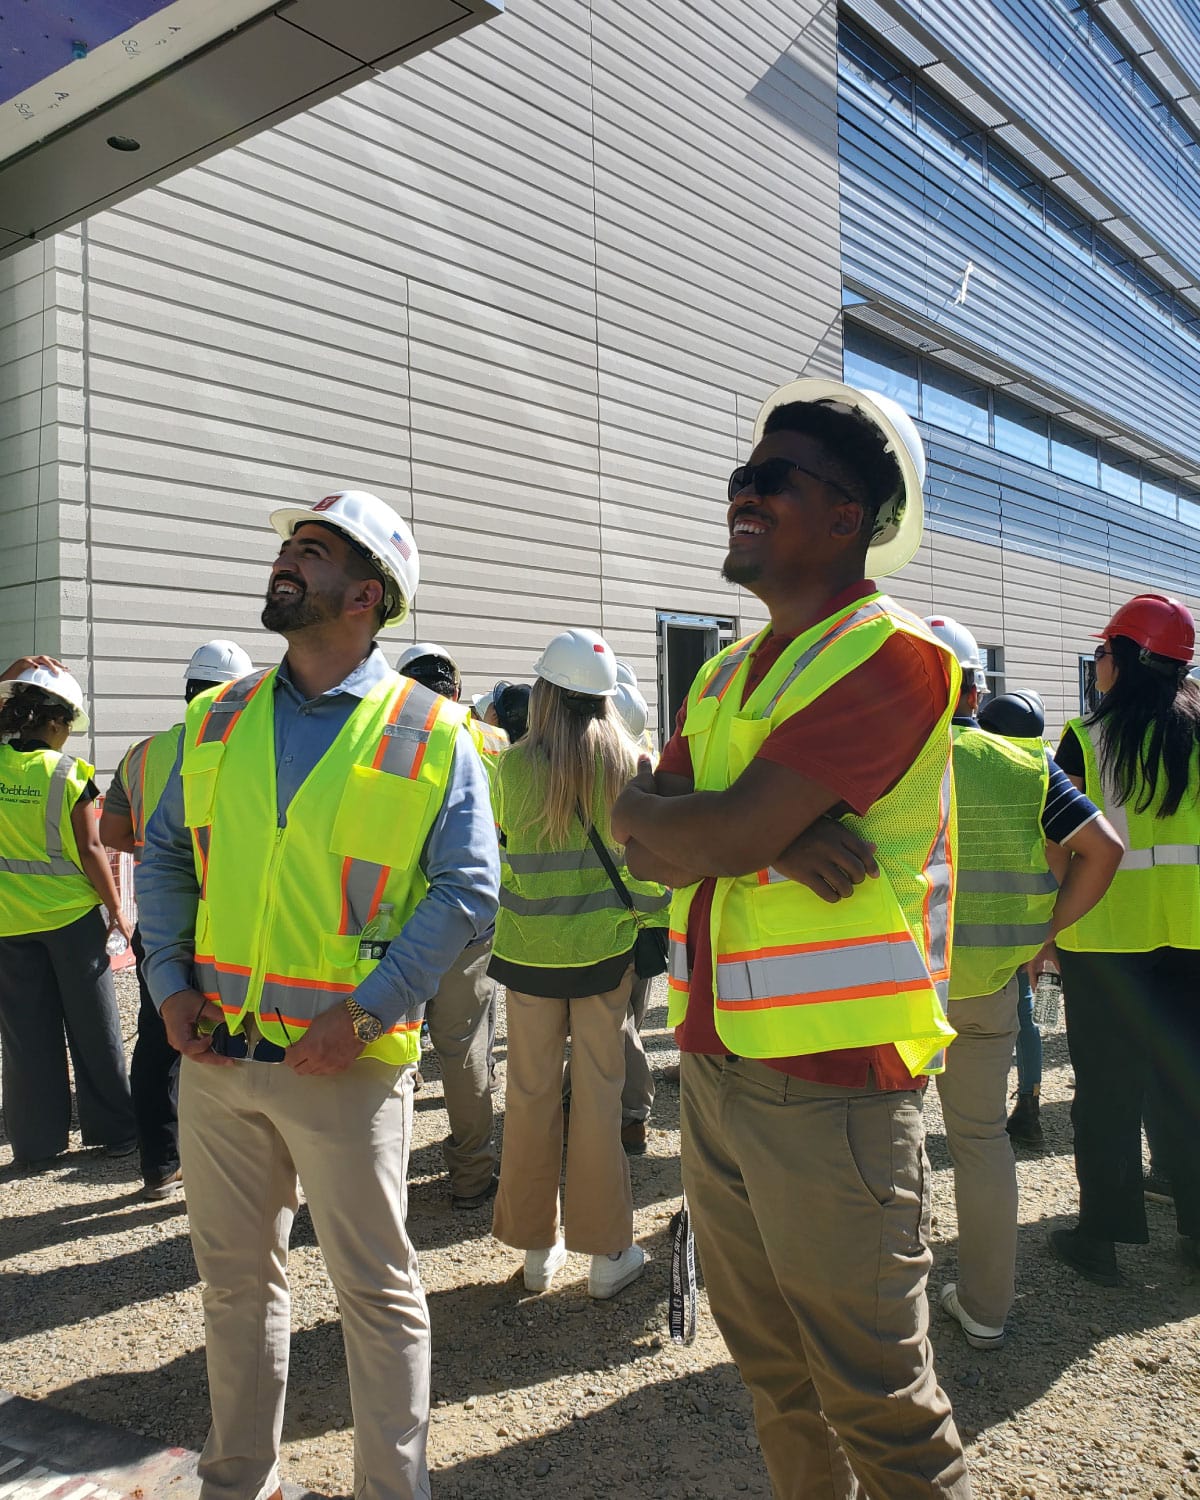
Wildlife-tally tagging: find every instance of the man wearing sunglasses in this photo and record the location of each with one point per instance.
(808, 980)
(321, 854)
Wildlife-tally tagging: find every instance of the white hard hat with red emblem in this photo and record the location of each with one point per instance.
(377, 530)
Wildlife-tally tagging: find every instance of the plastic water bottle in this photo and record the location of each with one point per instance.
(1047, 998)
(116, 944)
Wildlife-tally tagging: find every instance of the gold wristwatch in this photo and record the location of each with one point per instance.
(367, 1028)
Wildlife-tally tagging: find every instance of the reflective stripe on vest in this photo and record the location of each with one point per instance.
(859, 617)
(1005, 883)
(579, 905)
(156, 753)
(812, 972)
(999, 934)
(55, 863)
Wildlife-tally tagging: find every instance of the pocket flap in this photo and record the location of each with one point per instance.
(381, 817)
(198, 774)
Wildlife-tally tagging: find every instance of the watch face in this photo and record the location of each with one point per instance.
(368, 1028)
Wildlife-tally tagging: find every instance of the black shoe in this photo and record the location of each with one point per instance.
(1094, 1260)
(1024, 1125)
(121, 1148)
(476, 1200)
(1157, 1186)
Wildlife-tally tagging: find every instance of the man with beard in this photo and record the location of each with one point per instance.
(805, 1027)
(323, 850)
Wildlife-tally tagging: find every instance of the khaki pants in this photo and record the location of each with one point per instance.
(637, 1097)
(810, 1205)
(245, 1133)
(598, 1217)
(458, 1029)
(974, 1094)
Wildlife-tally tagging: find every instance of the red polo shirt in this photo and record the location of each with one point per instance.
(857, 740)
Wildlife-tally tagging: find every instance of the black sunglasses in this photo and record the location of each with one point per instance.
(237, 1045)
(1101, 652)
(773, 474)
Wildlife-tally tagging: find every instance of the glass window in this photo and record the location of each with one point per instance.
(1020, 430)
(1089, 698)
(993, 658)
(1067, 223)
(954, 401)
(1014, 181)
(1073, 454)
(888, 80)
(1158, 492)
(936, 118)
(879, 365)
(1120, 475)
(1189, 506)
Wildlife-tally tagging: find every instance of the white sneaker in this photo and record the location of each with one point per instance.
(610, 1273)
(541, 1266)
(978, 1335)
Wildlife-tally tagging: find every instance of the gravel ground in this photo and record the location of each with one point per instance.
(1096, 1393)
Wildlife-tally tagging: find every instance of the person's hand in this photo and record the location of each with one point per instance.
(1045, 958)
(26, 663)
(181, 1014)
(829, 859)
(624, 808)
(119, 922)
(329, 1045)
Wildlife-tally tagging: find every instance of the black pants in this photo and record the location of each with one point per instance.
(1133, 1023)
(48, 981)
(154, 1078)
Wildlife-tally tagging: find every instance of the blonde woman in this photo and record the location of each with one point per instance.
(564, 948)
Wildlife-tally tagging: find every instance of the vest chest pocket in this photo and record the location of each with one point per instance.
(746, 737)
(381, 818)
(201, 765)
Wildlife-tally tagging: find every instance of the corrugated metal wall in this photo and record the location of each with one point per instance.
(521, 287)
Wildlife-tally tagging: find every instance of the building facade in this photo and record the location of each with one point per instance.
(532, 287)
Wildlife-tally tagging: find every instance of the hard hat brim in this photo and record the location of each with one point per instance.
(78, 724)
(286, 520)
(899, 543)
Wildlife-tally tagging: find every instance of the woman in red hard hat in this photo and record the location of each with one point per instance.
(1131, 967)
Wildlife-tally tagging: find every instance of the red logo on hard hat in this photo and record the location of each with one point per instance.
(598, 647)
(327, 502)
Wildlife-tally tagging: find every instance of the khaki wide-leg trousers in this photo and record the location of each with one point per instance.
(974, 1094)
(810, 1205)
(247, 1133)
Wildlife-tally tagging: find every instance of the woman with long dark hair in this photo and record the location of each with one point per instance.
(54, 971)
(564, 948)
(1131, 967)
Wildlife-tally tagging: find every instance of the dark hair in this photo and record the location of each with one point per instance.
(194, 686)
(1015, 715)
(1148, 721)
(30, 709)
(433, 672)
(851, 440)
(512, 709)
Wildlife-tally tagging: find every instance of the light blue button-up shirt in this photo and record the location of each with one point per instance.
(461, 860)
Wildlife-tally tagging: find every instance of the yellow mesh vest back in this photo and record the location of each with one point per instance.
(145, 770)
(558, 908)
(42, 884)
(1005, 891)
(1154, 899)
(794, 974)
(282, 912)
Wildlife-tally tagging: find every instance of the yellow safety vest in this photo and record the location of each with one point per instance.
(793, 974)
(1154, 899)
(489, 740)
(42, 884)
(291, 920)
(558, 908)
(144, 771)
(1005, 890)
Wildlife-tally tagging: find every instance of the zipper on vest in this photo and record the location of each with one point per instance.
(258, 975)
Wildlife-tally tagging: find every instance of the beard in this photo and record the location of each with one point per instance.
(284, 615)
(745, 572)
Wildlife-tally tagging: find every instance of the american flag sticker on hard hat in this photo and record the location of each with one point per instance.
(401, 546)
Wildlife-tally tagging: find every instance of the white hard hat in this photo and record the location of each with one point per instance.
(626, 674)
(962, 644)
(480, 703)
(217, 661)
(902, 517)
(631, 707)
(58, 685)
(418, 649)
(580, 661)
(378, 530)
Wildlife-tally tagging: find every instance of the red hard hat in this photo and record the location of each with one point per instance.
(1159, 625)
